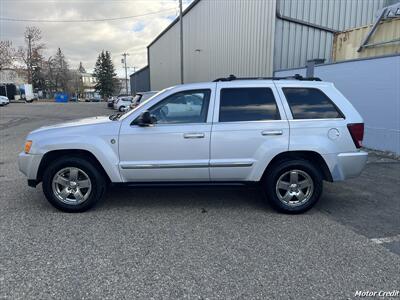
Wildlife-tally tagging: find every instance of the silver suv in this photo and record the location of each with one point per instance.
(285, 134)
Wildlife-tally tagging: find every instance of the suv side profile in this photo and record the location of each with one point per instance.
(286, 134)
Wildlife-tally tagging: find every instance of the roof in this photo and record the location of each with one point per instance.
(174, 22)
(140, 70)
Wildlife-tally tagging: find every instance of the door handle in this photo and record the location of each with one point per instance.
(193, 135)
(272, 132)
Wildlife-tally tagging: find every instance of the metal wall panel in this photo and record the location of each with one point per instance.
(296, 43)
(164, 60)
(372, 86)
(140, 80)
(334, 14)
(220, 38)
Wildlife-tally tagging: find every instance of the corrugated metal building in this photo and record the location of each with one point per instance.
(252, 37)
(140, 80)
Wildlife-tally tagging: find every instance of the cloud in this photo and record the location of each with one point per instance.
(138, 26)
(83, 41)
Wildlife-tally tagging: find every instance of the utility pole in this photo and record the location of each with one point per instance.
(30, 79)
(126, 71)
(181, 37)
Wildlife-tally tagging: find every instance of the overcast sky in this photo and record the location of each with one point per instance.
(83, 41)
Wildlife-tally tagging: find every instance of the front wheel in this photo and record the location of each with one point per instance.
(73, 184)
(293, 186)
(121, 108)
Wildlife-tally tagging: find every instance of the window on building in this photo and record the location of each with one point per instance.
(183, 107)
(247, 104)
(310, 103)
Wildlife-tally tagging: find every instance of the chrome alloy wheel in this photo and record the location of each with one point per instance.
(71, 185)
(294, 187)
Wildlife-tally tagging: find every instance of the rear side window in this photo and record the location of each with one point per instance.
(247, 104)
(310, 103)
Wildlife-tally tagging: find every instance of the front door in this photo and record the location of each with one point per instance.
(176, 147)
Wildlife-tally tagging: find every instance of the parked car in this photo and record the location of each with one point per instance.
(285, 135)
(122, 103)
(140, 97)
(4, 100)
(110, 101)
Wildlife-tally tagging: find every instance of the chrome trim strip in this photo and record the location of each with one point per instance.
(164, 166)
(231, 165)
(184, 166)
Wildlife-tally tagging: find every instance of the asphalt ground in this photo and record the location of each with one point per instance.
(194, 243)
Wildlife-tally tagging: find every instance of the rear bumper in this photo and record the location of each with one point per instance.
(346, 165)
(28, 164)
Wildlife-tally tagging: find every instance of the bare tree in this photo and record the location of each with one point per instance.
(31, 53)
(7, 53)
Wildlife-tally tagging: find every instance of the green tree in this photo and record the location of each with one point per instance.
(81, 68)
(61, 70)
(105, 73)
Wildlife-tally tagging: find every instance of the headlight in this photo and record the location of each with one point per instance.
(28, 145)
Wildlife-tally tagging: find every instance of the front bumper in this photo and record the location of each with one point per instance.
(346, 165)
(28, 164)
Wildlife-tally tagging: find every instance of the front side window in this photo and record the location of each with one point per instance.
(182, 107)
(247, 104)
(310, 103)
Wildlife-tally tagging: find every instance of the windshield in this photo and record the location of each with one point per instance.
(123, 116)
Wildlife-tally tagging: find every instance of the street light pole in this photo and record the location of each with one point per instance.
(181, 37)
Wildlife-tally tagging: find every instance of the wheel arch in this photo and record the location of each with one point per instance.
(313, 157)
(52, 155)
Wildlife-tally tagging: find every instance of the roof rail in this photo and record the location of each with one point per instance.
(295, 77)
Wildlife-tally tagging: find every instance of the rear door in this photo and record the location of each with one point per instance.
(249, 129)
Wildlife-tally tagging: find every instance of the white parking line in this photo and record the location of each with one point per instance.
(389, 239)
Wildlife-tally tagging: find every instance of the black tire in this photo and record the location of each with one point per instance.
(121, 108)
(98, 183)
(269, 184)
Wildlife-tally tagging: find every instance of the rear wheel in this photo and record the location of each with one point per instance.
(121, 108)
(73, 184)
(293, 186)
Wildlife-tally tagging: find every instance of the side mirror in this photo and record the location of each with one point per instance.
(145, 119)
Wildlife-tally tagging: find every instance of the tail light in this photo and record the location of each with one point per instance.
(357, 133)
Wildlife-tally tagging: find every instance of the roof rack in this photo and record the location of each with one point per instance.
(295, 77)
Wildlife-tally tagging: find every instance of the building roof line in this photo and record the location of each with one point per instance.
(174, 22)
(140, 70)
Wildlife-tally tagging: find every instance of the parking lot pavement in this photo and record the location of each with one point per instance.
(192, 242)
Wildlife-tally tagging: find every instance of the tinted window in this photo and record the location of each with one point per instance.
(310, 103)
(247, 104)
(182, 107)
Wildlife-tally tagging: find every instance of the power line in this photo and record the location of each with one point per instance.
(81, 21)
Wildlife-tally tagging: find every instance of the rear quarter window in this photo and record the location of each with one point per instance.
(311, 103)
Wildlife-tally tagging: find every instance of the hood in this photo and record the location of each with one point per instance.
(74, 123)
